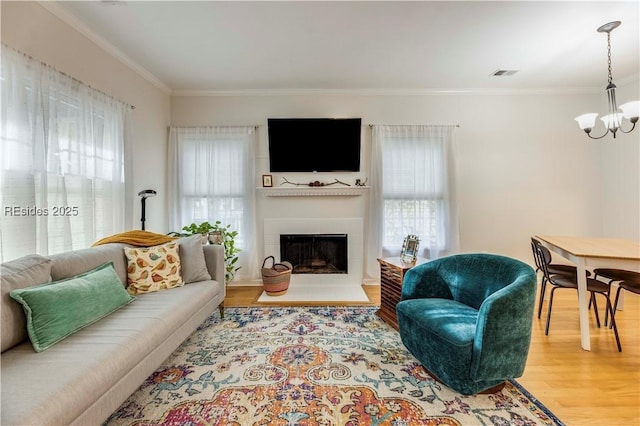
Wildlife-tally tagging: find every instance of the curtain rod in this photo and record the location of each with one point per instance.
(255, 126)
(67, 75)
(456, 125)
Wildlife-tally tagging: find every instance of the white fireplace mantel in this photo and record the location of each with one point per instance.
(312, 191)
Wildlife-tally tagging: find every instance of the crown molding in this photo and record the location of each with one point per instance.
(60, 12)
(386, 92)
(634, 78)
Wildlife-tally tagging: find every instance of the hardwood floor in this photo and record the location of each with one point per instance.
(600, 387)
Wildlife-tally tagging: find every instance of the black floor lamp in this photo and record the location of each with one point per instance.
(144, 194)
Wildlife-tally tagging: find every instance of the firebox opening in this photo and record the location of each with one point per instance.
(315, 253)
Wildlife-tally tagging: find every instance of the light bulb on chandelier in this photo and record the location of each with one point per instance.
(613, 121)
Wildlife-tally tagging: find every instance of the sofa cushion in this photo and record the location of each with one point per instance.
(153, 268)
(58, 309)
(124, 347)
(16, 274)
(71, 263)
(194, 266)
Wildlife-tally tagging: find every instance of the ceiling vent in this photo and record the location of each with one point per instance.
(502, 73)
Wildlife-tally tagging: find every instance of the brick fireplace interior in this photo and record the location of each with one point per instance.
(341, 238)
(315, 253)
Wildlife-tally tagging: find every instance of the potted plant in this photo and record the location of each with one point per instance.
(228, 241)
(217, 234)
(203, 229)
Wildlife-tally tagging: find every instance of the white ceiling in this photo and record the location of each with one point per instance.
(191, 46)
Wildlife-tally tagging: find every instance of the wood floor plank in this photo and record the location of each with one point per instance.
(596, 387)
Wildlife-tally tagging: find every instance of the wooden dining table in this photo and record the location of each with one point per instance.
(587, 252)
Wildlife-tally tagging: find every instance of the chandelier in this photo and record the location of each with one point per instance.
(613, 120)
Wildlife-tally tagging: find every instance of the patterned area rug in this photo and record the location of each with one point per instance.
(310, 366)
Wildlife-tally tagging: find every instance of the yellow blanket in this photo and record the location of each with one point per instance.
(136, 238)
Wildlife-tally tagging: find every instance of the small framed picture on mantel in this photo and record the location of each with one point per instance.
(267, 181)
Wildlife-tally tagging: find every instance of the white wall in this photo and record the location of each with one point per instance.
(523, 165)
(32, 29)
(620, 165)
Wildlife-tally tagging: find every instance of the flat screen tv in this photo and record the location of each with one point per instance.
(314, 144)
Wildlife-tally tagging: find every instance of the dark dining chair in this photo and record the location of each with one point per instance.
(542, 255)
(632, 286)
(616, 275)
(594, 287)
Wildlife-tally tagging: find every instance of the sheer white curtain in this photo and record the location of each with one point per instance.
(211, 178)
(62, 158)
(412, 191)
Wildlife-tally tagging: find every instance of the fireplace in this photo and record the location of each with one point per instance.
(350, 227)
(315, 253)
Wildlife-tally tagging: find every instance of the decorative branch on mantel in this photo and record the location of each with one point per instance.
(314, 183)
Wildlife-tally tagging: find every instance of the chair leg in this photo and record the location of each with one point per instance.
(613, 323)
(615, 305)
(595, 308)
(606, 313)
(546, 329)
(543, 288)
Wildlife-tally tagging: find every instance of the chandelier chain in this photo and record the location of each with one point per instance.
(609, 55)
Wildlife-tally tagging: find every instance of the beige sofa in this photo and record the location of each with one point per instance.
(85, 377)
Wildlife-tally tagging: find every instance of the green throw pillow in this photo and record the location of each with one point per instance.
(58, 309)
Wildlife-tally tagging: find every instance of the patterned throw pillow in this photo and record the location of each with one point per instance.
(153, 268)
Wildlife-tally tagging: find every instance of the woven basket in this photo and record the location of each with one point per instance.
(276, 278)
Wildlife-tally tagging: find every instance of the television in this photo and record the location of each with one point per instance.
(314, 144)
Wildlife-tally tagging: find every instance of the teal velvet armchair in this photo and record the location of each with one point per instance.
(467, 318)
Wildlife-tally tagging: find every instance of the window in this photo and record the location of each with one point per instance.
(412, 190)
(63, 173)
(211, 178)
(213, 187)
